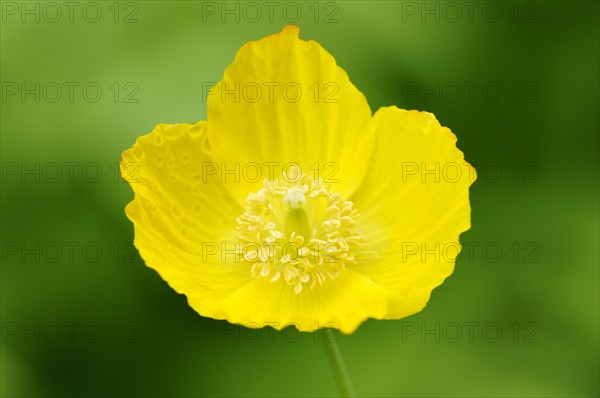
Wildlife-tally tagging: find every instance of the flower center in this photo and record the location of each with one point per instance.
(299, 232)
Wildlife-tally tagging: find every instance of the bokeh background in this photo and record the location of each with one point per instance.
(518, 82)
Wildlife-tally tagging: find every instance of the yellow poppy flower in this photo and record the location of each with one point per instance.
(292, 203)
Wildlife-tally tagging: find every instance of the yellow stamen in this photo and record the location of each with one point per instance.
(303, 253)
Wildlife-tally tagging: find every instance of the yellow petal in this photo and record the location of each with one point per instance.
(308, 113)
(414, 203)
(342, 303)
(178, 218)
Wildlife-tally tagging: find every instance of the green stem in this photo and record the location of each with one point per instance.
(342, 377)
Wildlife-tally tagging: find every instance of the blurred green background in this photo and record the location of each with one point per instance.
(518, 82)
